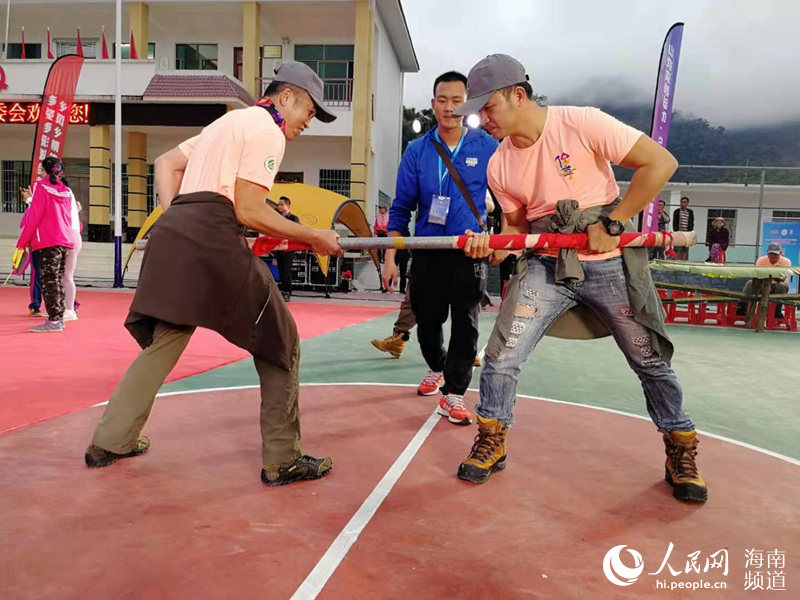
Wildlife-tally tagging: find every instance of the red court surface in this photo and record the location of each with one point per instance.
(190, 519)
(91, 354)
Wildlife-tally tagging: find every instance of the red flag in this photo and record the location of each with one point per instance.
(105, 46)
(23, 42)
(133, 55)
(49, 51)
(57, 98)
(79, 51)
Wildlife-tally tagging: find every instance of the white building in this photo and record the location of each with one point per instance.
(197, 60)
(738, 204)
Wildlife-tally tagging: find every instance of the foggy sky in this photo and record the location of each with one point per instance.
(739, 63)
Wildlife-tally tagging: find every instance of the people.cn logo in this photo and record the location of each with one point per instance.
(618, 573)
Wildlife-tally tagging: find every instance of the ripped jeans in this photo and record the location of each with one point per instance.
(541, 301)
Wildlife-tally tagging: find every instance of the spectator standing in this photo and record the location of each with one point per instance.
(683, 220)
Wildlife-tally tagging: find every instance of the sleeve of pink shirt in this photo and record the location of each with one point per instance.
(608, 137)
(187, 146)
(262, 153)
(507, 203)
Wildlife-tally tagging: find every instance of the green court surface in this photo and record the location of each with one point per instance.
(737, 384)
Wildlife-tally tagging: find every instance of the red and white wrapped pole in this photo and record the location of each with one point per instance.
(532, 241)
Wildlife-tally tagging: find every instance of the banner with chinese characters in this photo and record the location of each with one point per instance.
(662, 107)
(55, 110)
(28, 113)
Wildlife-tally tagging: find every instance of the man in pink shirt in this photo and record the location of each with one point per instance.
(774, 257)
(198, 271)
(552, 172)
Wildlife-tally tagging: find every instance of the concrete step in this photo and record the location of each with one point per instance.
(95, 262)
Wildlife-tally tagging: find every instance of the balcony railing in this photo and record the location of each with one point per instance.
(336, 92)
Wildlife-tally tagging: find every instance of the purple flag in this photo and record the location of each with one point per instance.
(662, 107)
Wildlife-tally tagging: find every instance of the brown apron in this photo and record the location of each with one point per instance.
(198, 271)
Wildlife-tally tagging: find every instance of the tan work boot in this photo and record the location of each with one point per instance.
(681, 469)
(477, 362)
(488, 453)
(393, 344)
(300, 469)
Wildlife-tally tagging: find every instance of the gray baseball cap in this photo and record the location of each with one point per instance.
(774, 248)
(303, 76)
(493, 73)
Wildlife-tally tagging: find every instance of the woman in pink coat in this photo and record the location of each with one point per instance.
(48, 228)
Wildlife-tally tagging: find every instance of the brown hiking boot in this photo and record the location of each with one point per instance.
(96, 456)
(681, 469)
(477, 362)
(488, 453)
(393, 344)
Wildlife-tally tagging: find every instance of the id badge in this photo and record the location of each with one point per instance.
(440, 206)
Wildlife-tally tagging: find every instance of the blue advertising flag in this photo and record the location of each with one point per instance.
(788, 236)
(662, 108)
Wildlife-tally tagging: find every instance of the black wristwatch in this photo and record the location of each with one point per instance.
(613, 226)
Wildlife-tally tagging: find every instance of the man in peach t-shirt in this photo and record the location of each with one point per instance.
(555, 153)
(199, 272)
(773, 258)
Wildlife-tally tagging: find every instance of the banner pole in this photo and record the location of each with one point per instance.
(118, 151)
(8, 21)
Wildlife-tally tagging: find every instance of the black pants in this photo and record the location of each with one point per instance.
(401, 258)
(381, 253)
(507, 269)
(448, 282)
(285, 270)
(36, 279)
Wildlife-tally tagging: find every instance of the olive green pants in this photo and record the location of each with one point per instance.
(130, 404)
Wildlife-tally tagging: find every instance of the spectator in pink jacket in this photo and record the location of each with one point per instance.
(380, 228)
(48, 228)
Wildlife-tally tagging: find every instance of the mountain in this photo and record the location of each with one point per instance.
(695, 141)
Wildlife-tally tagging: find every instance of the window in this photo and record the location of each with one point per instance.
(196, 57)
(238, 61)
(786, 216)
(335, 180)
(16, 174)
(272, 51)
(70, 46)
(151, 195)
(730, 220)
(126, 51)
(334, 65)
(151, 190)
(31, 51)
(289, 177)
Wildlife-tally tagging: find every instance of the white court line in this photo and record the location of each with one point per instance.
(716, 436)
(327, 565)
(316, 580)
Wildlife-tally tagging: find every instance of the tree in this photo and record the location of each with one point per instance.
(426, 120)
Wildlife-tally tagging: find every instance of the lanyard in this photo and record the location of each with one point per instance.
(452, 156)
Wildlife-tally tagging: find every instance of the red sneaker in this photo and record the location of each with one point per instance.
(452, 407)
(430, 384)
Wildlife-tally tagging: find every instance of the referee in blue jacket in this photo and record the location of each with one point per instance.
(444, 281)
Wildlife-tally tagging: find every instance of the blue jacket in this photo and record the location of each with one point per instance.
(418, 182)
